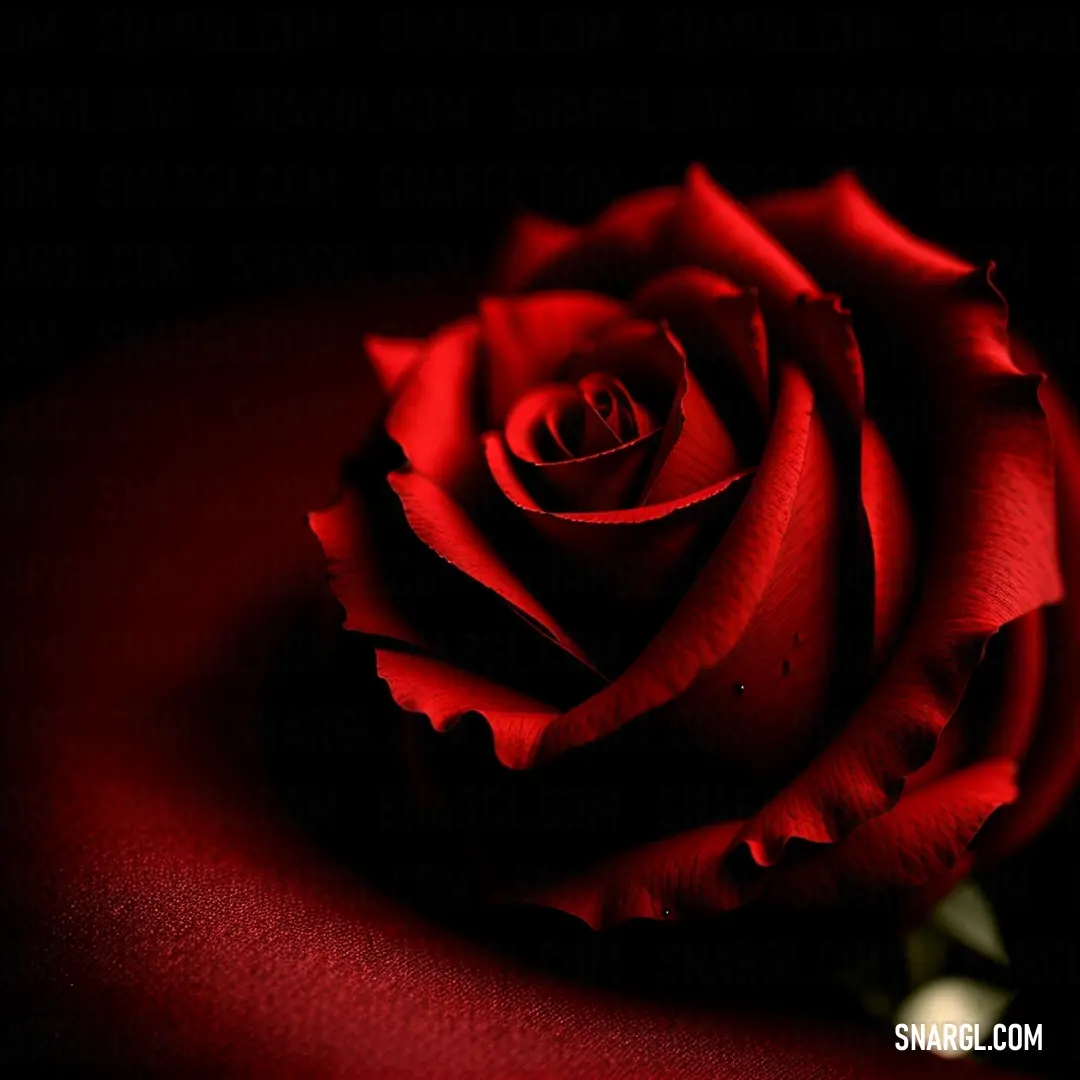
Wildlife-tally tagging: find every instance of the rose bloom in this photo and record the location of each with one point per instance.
(662, 488)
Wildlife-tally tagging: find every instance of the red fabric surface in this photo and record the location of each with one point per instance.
(156, 528)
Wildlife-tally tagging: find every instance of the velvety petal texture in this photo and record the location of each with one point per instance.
(657, 443)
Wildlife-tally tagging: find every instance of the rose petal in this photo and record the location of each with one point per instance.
(534, 427)
(993, 550)
(531, 243)
(667, 879)
(433, 418)
(993, 559)
(1015, 706)
(446, 693)
(696, 450)
(711, 230)
(916, 841)
(443, 525)
(632, 555)
(701, 307)
(1021, 695)
(713, 615)
(392, 358)
(608, 481)
(527, 340)
(616, 249)
(353, 565)
(760, 706)
(891, 536)
(1052, 764)
(838, 230)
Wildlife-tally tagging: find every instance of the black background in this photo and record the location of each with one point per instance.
(161, 166)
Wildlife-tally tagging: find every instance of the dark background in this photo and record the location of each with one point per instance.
(159, 166)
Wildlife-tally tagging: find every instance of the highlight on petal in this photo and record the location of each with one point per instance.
(444, 526)
(392, 358)
(702, 307)
(433, 418)
(839, 231)
(445, 693)
(891, 536)
(505, 475)
(353, 564)
(916, 841)
(527, 339)
(711, 230)
(615, 250)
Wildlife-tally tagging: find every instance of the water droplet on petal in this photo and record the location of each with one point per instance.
(787, 667)
(799, 637)
(665, 913)
(738, 688)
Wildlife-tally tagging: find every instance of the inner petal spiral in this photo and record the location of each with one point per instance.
(564, 421)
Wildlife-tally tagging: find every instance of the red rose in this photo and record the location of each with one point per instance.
(656, 481)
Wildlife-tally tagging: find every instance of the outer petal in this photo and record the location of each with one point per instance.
(993, 558)
(532, 243)
(918, 840)
(1014, 707)
(711, 230)
(664, 880)
(616, 250)
(354, 567)
(393, 358)
(433, 418)
(1021, 695)
(915, 842)
(446, 693)
(843, 235)
(1052, 764)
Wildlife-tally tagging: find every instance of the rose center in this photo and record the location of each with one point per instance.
(560, 421)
